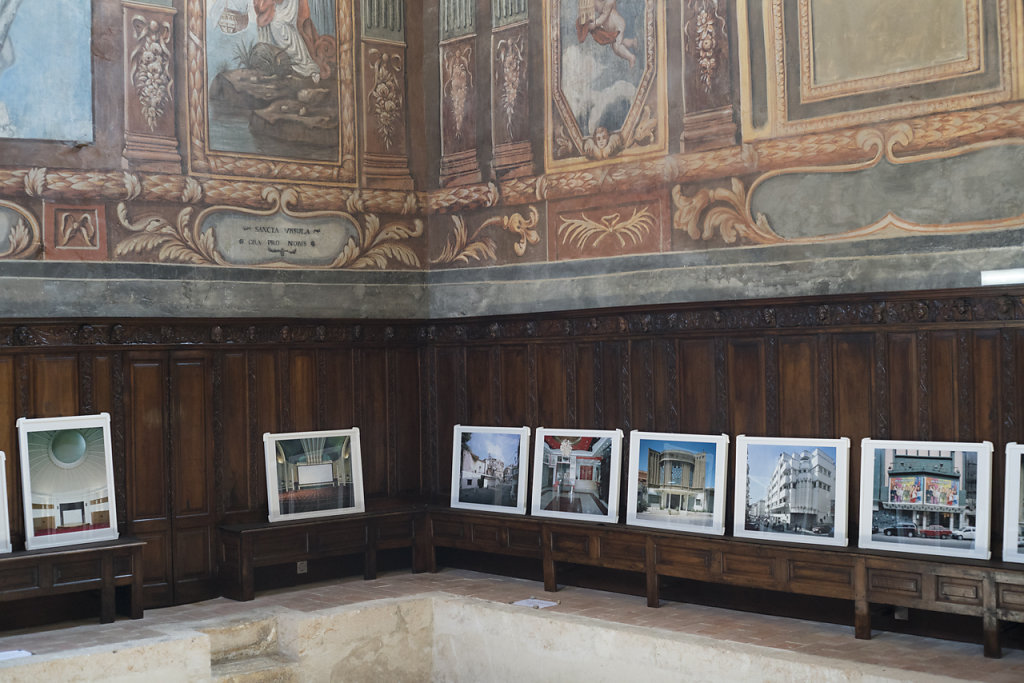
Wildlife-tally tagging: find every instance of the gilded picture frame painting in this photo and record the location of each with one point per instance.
(5, 522)
(277, 83)
(1013, 505)
(576, 474)
(46, 74)
(489, 468)
(67, 480)
(677, 481)
(926, 497)
(605, 80)
(792, 489)
(313, 474)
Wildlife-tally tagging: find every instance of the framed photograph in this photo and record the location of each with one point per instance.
(67, 480)
(926, 497)
(791, 489)
(486, 472)
(314, 474)
(1013, 506)
(576, 474)
(677, 481)
(5, 523)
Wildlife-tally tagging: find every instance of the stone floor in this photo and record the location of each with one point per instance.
(910, 653)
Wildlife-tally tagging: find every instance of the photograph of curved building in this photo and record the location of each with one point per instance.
(489, 468)
(676, 481)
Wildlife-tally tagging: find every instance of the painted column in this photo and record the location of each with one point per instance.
(385, 134)
(459, 165)
(150, 140)
(510, 101)
(708, 111)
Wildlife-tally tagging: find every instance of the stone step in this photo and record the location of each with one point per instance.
(259, 669)
(242, 639)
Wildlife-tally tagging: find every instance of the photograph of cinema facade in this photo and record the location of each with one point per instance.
(800, 491)
(679, 478)
(925, 487)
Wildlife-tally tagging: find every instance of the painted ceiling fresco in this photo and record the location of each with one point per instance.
(392, 135)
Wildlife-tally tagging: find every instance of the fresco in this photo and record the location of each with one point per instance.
(604, 79)
(46, 75)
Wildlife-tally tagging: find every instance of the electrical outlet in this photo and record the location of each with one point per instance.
(301, 567)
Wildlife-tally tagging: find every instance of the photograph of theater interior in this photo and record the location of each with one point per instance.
(795, 219)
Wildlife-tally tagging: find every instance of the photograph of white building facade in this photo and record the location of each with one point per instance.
(576, 474)
(791, 490)
(926, 488)
(490, 469)
(676, 479)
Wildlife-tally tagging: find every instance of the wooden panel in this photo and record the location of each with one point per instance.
(147, 459)
(339, 391)
(279, 545)
(156, 566)
(641, 384)
(942, 386)
(76, 571)
(487, 536)
(582, 396)
(903, 386)
(551, 387)
(1010, 596)
(524, 539)
(958, 590)
(798, 385)
(103, 383)
(665, 386)
(853, 363)
(373, 407)
(237, 456)
(613, 389)
(388, 530)
(19, 578)
(515, 387)
(54, 384)
(448, 529)
(736, 566)
(985, 388)
(483, 385)
(404, 421)
(577, 545)
(446, 414)
(698, 407)
(193, 557)
(190, 443)
(680, 561)
(746, 387)
(302, 391)
(626, 553)
(340, 537)
(9, 445)
(888, 581)
(821, 579)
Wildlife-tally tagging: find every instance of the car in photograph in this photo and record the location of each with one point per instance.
(822, 529)
(901, 529)
(936, 531)
(965, 533)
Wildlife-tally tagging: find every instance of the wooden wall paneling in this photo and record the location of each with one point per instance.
(642, 384)
(302, 392)
(238, 495)
(699, 388)
(405, 423)
(515, 383)
(613, 390)
(556, 366)
(942, 386)
(585, 389)
(53, 385)
(372, 380)
(265, 415)
(747, 409)
(854, 358)
(982, 385)
(483, 386)
(9, 445)
(194, 515)
(338, 392)
(903, 385)
(798, 385)
(147, 471)
(445, 392)
(665, 385)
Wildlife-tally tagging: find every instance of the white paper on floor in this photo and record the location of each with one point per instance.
(14, 654)
(536, 603)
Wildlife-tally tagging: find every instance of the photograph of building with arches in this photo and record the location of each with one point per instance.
(925, 496)
(576, 473)
(486, 471)
(676, 481)
(792, 489)
(313, 474)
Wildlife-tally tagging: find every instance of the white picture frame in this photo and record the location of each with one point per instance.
(792, 489)
(313, 474)
(576, 474)
(1013, 505)
(67, 480)
(490, 468)
(677, 481)
(916, 497)
(5, 522)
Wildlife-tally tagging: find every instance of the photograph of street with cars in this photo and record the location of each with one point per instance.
(925, 497)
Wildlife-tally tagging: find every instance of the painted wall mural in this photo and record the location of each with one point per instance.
(389, 135)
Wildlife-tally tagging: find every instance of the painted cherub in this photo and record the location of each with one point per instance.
(608, 27)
